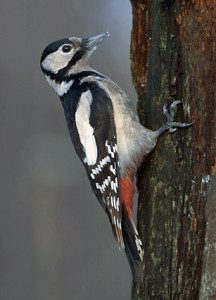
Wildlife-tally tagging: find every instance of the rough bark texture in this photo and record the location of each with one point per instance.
(173, 52)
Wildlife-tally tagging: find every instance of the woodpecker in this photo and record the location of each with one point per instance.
(105, 130)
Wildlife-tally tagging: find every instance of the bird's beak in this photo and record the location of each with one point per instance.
(92, 42)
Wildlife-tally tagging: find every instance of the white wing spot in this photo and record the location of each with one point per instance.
(104, 185)
(117, 204)
(113, 170)
(114, 185)
(138, 242)
(119, 224)
(100, 166)
(111, 149)
(85, 130)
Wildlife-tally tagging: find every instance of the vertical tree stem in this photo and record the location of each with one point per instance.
(173, 50)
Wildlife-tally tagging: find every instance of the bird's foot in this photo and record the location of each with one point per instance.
(169, 113)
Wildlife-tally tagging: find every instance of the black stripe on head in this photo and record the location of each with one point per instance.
(54, 47)
(61, 74)
(77, 56)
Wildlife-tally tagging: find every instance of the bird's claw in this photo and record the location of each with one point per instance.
(169, 112)
(171, 130)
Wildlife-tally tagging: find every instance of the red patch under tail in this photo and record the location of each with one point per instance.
(127, 193)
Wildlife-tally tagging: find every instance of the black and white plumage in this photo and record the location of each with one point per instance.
(93, 134)
(105, 131)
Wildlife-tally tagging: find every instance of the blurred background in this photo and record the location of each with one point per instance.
(55, 241)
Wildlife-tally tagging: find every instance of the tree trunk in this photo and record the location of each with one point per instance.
(173, 52)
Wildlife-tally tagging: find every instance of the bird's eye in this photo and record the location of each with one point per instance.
(66, 48)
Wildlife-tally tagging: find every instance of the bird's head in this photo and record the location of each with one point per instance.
(69, 56)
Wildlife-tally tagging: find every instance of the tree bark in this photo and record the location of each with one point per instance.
(173, 51)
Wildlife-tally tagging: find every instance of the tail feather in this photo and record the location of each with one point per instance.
(133, 245)
(132, 241)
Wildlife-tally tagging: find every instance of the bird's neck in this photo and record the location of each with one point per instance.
(61, 83)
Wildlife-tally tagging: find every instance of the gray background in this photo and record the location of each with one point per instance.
(56, 242)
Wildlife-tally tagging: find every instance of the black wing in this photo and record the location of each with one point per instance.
(104, 175)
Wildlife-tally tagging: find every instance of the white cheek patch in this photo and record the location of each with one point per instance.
(57, 60)
(85, 130)
(60, 88)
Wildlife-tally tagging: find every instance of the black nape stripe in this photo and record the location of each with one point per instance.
(59, 78)
(83, 74)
